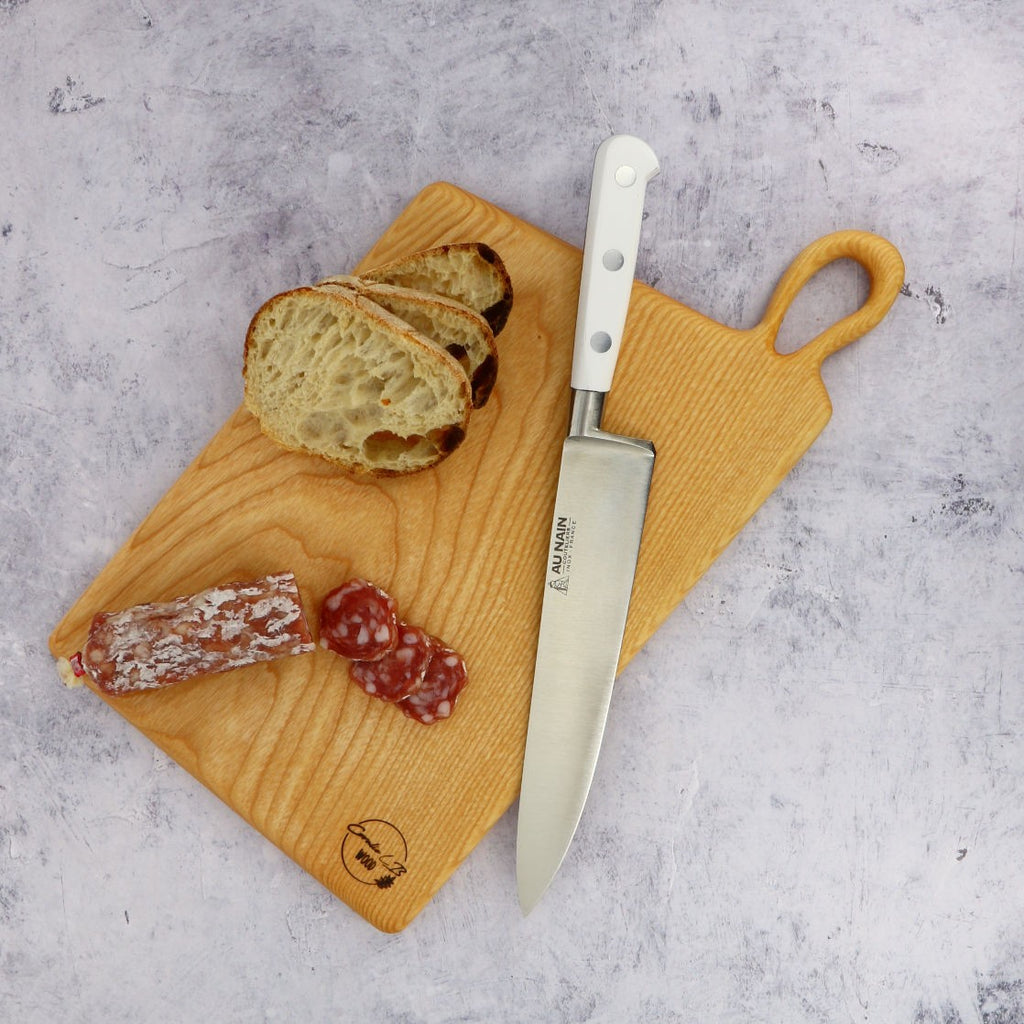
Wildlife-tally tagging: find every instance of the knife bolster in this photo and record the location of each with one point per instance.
(585, 420)
(587, 409)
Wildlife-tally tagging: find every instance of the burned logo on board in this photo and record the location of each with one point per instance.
(374, 852)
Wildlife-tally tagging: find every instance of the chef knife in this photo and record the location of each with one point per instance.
(600, 505)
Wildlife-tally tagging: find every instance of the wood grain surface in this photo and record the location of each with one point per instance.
(314, 764)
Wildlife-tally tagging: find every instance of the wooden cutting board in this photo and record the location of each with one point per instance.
(380, 808)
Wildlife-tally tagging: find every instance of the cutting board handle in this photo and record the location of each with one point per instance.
(877, 256)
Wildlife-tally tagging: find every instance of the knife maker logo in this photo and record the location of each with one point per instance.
(374, 852)
(562, 538)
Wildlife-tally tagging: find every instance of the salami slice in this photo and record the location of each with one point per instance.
(401, 670)
(155, 645)
(359, 621)
(443, 681)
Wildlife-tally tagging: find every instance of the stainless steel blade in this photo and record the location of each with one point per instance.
(600, 507)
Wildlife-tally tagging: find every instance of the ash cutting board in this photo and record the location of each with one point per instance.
(380, 808)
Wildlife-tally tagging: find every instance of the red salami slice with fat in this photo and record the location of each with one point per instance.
(359, 621)
(401, 670)
(443, 681)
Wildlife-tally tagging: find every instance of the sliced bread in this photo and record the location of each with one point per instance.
(469, 272)
(459, 330)
(332, 373)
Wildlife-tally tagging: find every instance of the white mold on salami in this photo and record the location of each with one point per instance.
(225, 627)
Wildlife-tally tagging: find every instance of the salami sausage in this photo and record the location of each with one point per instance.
(156, 645)
(442, 683)
(359, 621)
(401, 670)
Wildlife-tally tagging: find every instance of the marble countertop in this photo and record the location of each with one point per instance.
(810, 801)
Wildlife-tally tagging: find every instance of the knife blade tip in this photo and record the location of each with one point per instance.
(532, 882)
(529, 897)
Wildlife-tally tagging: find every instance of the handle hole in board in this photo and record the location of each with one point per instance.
(835, 291)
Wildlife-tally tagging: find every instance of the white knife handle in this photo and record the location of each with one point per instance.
(623, 166)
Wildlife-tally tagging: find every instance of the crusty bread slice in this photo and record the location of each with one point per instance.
(469, 272)
(335, 375)
(459, 330)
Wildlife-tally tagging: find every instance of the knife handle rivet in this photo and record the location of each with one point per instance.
(625, 175)
(613, 260)
(601, 341)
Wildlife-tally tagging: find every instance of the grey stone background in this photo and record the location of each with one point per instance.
(810, 804)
